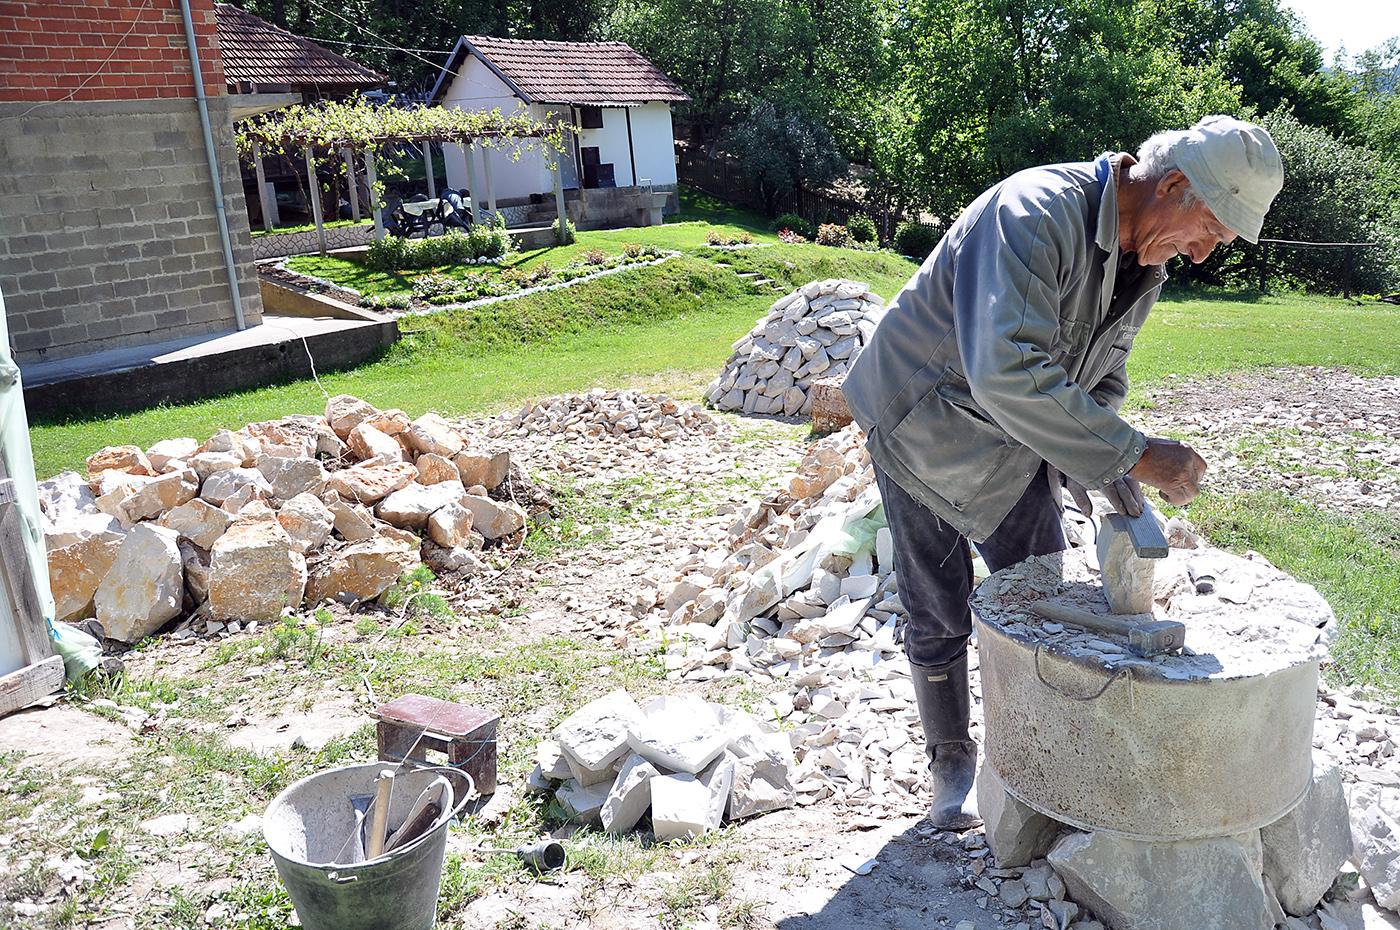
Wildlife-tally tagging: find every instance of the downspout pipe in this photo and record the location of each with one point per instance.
(229, 267)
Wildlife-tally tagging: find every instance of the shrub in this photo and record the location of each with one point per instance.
(833, 234)
(790, 237)
(594, 257)
(488, 241)
(862, 228)
(397, 300)
(796, 224)
(436, 285)
(716, 237)
(632, 250)
(569, 232)
(916, 240)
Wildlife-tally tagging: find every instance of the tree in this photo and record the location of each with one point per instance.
(783, 150)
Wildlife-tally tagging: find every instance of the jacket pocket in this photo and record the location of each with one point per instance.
(950, 442)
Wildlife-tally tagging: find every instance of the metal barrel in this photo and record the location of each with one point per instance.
(307, 826)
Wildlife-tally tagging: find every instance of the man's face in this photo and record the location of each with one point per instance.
(1166, 228)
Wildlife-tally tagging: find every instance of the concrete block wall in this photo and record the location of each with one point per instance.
(108, 231)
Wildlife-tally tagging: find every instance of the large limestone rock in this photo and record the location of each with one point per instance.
(228, 442)
(289, 477)
(679, 733)
(142, 590)
(159, 495)
(307, 521)
(1304, 850)
(1017, 834)
(431, 433)
(595, 735)
(368, 443)
(763, 775)
(687, 806)
(367, 484)
(254, 573)
(196, 562)
(129, 459)
(206, 464)
(66, 493)
(483, 469)
(225, 484)
(345, 412)
(1375, 828)
(390, 422)
(435, 469)
(1211, 884)
(411, 506)
(198, 521)
(89, 546)
(494, 519)
(166, 451)
(363, 571)
(352, 522)
(450, 526)
(629, 797)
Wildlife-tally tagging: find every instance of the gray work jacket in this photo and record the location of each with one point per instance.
(1007, 347)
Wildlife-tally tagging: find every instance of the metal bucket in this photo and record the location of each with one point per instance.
(1149, 758)
(307, 826)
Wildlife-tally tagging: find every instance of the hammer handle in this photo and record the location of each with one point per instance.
(1083, 618)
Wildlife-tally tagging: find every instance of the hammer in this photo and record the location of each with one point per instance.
(1147, 638)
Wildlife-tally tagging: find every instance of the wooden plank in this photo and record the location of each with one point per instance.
(18, 581)
(1144, 531)
(29, 684)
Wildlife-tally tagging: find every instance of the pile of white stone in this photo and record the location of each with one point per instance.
(622, 414)
(279, 514)
(817, 331)
(690, 763)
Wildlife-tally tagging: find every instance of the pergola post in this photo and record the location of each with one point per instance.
(490, 188)
(558, 173)
(372, 180)
(354, 182)
(262, 186)
(314, 195)
(428, 168)
(469, 150)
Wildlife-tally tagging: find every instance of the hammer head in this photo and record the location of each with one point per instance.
(1156, 638)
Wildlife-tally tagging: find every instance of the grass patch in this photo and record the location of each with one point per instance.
(1353, 561)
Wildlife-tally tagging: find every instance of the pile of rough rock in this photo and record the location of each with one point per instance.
(622, 414)
(269, 517)
(690, 763)
(817, 331)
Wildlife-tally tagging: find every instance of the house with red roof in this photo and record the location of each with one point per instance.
(617, 101)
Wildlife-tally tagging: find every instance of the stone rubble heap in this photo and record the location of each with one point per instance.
(621, 414)
(689, 763)
(817, 331)
(270, 517)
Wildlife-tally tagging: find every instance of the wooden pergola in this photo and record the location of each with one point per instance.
(347, 128)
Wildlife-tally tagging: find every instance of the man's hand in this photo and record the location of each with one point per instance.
(1171, 467)
(1125, 494)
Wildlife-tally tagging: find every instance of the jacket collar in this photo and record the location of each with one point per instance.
(1106, 170)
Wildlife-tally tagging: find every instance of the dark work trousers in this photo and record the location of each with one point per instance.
(934, 564)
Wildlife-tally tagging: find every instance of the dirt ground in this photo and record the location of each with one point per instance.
(136, 805)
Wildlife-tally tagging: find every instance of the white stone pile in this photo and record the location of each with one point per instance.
(268, 518)
(817, 331)
(629, 415)
(691, 764)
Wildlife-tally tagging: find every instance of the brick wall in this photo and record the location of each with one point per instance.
(51, 47)
(108, 232)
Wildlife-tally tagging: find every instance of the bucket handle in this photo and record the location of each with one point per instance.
(458, 805)
(1121, 673)
(342, 879)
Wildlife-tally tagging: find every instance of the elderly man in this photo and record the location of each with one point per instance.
(1000, 368)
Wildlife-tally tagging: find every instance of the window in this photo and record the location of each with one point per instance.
(590, 117)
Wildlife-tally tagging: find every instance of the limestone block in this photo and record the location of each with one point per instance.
(550, 759)
(222, 485)
(142, 589)
(1142, 886)
(166, 451)
(486, 470)
(1375, 831)
(390, 422)
(679, 733)
(289, 477)
(630, 795)
(196, 564)
(411, 506)
(1127, 578)
(494, 519)
(353, 523)
(366, 442)
(583, 803)
(230, 443)
(250, 493)
(206, 464)
(363, 571)
(66, 493)
(688, 806)
(307, 521)
(596, 734)
(129, 459)
(198, 521)
(1304, 850)
(451, 525)
(367, 484)
(254, 573)
(436, 469)
(345, 412)
(763, 771)
(431, 433)
(159, 495)
(78, 567)
(1016, 834)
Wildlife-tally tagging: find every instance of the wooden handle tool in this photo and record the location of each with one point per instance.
(383, 788)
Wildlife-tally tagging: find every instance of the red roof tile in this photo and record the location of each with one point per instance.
(257, 52)
(579, 73)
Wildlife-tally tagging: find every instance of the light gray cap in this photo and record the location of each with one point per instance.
(1235, 168)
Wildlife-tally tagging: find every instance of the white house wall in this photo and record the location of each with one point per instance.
(611, 142)
(476, 87)
(654, 141)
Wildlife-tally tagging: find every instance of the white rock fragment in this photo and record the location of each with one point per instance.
(678, 733)
(687, 806)
(630, 795)
(595, 735)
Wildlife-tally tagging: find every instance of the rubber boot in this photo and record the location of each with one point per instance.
(944, 705)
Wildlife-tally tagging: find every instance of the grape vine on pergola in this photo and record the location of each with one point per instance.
(342, 129)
